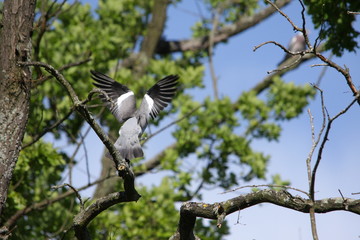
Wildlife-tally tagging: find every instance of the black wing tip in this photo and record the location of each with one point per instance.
(172, 77)
(96, 73)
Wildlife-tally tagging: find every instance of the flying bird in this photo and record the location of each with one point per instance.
(297, 44)
(124, 109)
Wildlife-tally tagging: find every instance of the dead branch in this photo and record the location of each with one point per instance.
(323, 142)
(189, 211)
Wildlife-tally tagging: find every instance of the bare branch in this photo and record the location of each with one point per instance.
(190, 210)
(325, 139)
(344, 71)
(48, 129)
(268, 185)
(75, 191)
(65, 67)
(286, 16)
(350, 12)
(172, 123)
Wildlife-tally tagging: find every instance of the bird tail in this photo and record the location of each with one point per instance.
(129, 148)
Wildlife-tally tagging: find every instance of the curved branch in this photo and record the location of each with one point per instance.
(83, 218)
(190, 210)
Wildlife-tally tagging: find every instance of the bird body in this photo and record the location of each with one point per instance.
(124, 109)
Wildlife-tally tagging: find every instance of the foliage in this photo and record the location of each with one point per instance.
(39, 167)
(335, 23)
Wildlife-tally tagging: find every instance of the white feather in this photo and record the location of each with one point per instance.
(149, 101)
(123, 97)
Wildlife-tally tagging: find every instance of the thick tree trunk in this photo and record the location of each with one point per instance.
(15, 39)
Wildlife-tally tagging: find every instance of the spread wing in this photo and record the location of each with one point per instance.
(121, 95)
(157, 98)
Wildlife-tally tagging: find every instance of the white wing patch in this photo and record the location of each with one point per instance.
(123, 97)
(149, 101)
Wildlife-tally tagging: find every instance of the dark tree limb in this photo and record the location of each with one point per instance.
(190, 210)
(223, 34)
(83, 218)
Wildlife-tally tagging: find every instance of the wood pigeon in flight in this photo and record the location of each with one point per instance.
(297, 44)
(124, 109)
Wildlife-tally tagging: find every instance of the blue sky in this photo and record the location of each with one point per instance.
(238, 69)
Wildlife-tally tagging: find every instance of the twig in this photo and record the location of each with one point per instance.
(46, 130)
(65, 67)
(344, 71)
(304, 32)
(322, 74)
(320, 65)
(351, 12)
(273, 42)
(85, 151)
(72, 188)
(172, 123)
(293, 63)
(316, 141)
(282, 13)
(267, 185)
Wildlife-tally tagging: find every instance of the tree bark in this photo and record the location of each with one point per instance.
(15, 81)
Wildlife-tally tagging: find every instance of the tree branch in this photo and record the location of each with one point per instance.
(223, 34)
(83, 218)
(191, 210)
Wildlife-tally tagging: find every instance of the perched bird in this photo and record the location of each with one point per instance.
(124, 109)
(297, 44)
